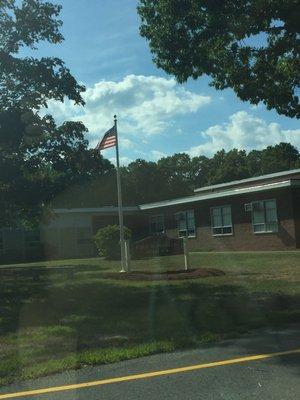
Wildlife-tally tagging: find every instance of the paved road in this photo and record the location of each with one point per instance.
(275, 378)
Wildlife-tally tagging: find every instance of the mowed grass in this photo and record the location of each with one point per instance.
(59, 315)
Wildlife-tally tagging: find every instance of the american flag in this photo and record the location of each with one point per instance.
(108, 140)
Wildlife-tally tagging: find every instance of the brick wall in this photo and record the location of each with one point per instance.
(243, 237)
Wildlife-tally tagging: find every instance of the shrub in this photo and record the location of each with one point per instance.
(107, 241)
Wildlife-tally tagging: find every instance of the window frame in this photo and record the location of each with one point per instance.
(186, 224)
(265, 221)
(156, 232)
(221, 226)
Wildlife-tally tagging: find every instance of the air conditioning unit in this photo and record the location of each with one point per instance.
(248, 207)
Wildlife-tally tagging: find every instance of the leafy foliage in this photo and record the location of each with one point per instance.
(29, 82)
(107, 241)
(250, 46)
(178, 175)
(38, 159)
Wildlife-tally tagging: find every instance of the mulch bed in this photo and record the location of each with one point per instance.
(168, 275)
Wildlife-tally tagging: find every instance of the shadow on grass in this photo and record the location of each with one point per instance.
(57, 321)
(16, 288)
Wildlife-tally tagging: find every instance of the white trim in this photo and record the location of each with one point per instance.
(264, 223)
(265, 232)
(186, 221)
(183, 200)
(227, 193)
(253, 179)
(222, 234)
(223, 226)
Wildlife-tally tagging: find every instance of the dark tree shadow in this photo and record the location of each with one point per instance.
(115, 314)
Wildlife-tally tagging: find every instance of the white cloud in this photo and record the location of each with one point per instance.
(123, 160)
(146, 105)
(126, 143)
(255, 107)
(243, 131)
(157, 155)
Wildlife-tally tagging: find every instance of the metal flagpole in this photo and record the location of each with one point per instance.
(120, 206)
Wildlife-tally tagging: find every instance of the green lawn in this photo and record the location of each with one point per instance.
(59, 315)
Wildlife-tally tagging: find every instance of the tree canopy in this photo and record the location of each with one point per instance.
(28, 82)
(178, 175)
(38, 159)
(44, 163)
(250, 46)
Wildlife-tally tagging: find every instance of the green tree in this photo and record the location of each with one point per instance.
(281, 157)
(99, 191)
(107, 241)
(38, 159)
(146, 181)
(201, 171)
(176, 173)
(254, 163)
(174, 176)
(141, 182)
(249, 46)
(28, 82)
(229, 166)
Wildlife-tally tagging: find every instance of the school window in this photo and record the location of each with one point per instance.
(221, 220)
(84, 236)
(186, 223)
(264, 216)
(156, 224)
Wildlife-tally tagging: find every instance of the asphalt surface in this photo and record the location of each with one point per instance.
(275, 378)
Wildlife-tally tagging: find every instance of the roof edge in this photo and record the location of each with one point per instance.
(253, 179)
(227, 193)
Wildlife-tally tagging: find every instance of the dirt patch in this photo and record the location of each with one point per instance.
(168, 275)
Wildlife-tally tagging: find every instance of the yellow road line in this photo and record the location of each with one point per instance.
(145, 375)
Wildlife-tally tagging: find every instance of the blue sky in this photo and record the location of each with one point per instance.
(157, 116)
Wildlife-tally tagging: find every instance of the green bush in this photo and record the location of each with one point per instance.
(107, 241)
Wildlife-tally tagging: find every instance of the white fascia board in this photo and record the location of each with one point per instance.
(248, 180)
(182, 200)
(228, 193)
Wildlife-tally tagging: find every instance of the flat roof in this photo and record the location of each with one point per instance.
(188, 199)
(227, 193)
(248, 180)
